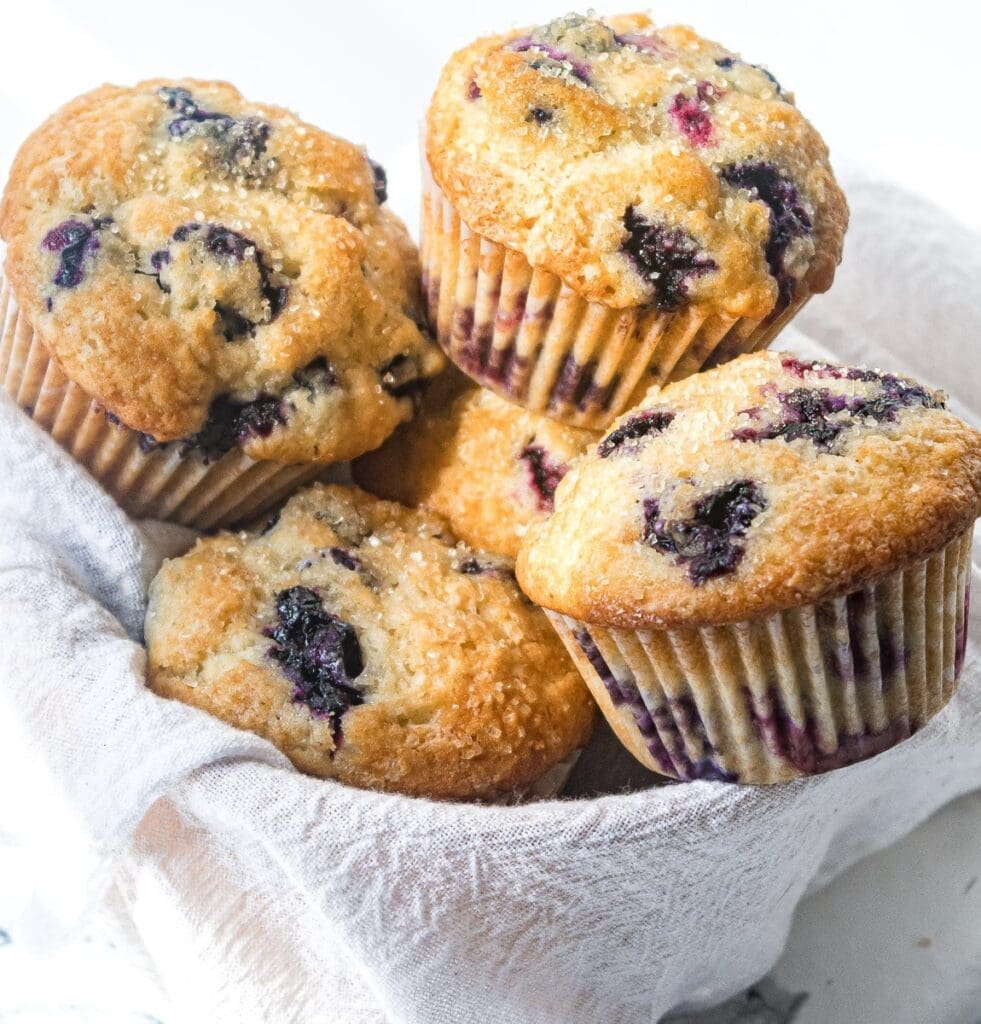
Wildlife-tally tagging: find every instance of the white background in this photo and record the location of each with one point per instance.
(894, 88)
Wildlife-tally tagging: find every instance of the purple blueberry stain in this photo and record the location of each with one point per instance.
(710, 541)
(75, 241)
(485, 566)
(665, 728)
(318, 652)
(800, 744)
(473, 91)
(543, 474)
(575, 384)
(638, 428)
(242, 141)
(789, 219)
(823, 416)
(691, 117)
(344, 558)
(668, 259)
(650, 45)
(552, 58)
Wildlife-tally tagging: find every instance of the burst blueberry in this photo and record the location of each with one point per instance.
(710, 541)
(75, 240)
(544, 474)
(232, 423)
(645, 424)
(789, 219)
(242, 141)
(667, 258)
(318, 652)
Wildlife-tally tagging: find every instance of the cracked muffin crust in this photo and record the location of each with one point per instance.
(370, 646)
(218, 272)
(491, 468)
(641, 165)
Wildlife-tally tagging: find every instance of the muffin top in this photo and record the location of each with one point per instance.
(217, 271)
(764, 484)
(368, 645)
(640, 165)
(490, 467)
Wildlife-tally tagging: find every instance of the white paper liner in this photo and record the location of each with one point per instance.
(161, 483)
(796, 694)
(533, 340)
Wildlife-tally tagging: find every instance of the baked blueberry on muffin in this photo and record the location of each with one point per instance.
(762, 570)
(197, 275)
(369, 646)
(614, 206)
(489, 467)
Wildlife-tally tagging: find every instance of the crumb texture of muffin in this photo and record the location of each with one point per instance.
(489, 467)
(643, 166)
(218, 272)
(763, 485)
(370, 646)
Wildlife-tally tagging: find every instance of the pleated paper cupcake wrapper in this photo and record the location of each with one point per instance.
(533, 340)
(796, 694)
(161, 483)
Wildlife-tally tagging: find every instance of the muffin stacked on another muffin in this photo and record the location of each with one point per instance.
(762, 570)
(490, 467)
(203, 291)
(614, 206)
(371, 647)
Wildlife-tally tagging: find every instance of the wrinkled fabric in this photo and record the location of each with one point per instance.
(259, 894)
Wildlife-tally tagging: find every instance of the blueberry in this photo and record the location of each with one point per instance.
(645, 424)
(543, 474)
(231, 423)
(380, 181)
(242, 141)
(318, 652)
(728, 62)
(709, 540)
(401, 377)
(75, 240)
(691, 119)
(667, 258)
(473, 91)
(227, 248)
(540, 116)
(788, 218)
(345, 559)
(317, 376)
(475, 567)
(646, 44)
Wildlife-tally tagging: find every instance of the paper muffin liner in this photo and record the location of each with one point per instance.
(521, 332)
(160, 483)
(795, 694)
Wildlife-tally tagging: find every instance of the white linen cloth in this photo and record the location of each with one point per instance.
(258, 894)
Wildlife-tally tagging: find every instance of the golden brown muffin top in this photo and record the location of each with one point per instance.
(371, 647)
(639, 164)
(490, 467)
(764, 484)
(218, 271)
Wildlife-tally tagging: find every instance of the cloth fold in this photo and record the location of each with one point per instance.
(259, 894)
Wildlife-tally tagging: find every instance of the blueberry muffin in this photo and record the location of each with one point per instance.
(203, 291)
(762, 570)
(370, 646)
(613, 206)
(491, 468)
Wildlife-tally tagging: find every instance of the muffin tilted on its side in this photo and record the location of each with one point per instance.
(490, 467)
(762, 570)
(369, 646)
(206, 299)
(613, 206)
